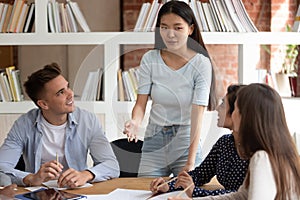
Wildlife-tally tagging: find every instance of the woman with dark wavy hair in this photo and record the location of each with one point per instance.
(264, 138)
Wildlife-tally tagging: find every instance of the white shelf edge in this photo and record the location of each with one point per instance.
(94, 38)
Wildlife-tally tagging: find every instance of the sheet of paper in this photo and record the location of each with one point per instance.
(169, 194)
(34, 188)
(53, 184)
(97, 197)
(126, 194)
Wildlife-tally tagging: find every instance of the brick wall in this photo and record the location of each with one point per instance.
(224, 56)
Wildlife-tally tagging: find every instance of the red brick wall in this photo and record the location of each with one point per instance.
(224, 56)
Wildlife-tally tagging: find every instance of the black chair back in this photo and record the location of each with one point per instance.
(128, 155)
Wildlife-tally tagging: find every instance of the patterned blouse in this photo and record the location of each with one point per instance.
(222, 161)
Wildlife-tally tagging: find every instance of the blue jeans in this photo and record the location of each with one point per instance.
(165, 150)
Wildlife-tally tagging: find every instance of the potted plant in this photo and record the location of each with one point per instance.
(286, 75)
(290, 66)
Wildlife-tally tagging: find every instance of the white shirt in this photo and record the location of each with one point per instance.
(262, 183)
(53, 142)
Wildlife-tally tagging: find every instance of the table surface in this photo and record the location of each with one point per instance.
(106, 187)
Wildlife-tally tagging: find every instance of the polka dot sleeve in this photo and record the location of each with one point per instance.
(223, 162)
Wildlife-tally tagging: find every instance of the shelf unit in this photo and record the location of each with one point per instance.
(112, 42)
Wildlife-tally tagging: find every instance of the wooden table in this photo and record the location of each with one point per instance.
(106, 187)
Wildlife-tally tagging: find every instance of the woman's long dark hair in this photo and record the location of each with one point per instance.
(195, 41)
(263, 127)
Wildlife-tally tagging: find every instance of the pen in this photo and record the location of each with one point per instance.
(172, 179)
(56, 159)
(183, 191)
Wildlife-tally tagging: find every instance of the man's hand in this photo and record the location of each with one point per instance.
(49, 171)
(72, 178)
(8, 191)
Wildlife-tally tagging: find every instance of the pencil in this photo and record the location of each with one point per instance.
(56, 159)
(172, 179)
(183, 191)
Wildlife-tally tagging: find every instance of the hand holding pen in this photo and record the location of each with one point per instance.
(160, 185)
(48, 171)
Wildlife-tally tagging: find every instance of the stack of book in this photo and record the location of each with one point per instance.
(211, 16)
(92, 87)
(66, 17)
(17, 17)
(128, 84)
(10, 85)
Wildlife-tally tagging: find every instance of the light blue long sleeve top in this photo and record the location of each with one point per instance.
(84, 134)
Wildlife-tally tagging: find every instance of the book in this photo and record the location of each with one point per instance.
(99, 86)
(126, 92)
(18, 86)
(11, 81)
(51, 22)
(296, 25)
(30, 19)
(208, 17)
(243, 16)
(128, 85)
(11, 16)
(3, 15)
(121, 95)
(202, 16)
(89, 92)
(57, 19)
(16, 16)
(79, 16)
(217, 14)
(5, 87)
(194, 8)
(151, 16)
(7, 18)
(63, 16)
(225, 19)
(21, 21)
(134, 80)
(142, 17)
(71, 19)
(235, 18)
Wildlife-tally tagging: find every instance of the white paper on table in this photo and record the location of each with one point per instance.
(126, 194)
(96, 196)
(169, 194)
(53, 184)
(34, 188)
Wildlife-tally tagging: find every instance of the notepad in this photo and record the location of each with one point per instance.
(53, 184)
(126, 194)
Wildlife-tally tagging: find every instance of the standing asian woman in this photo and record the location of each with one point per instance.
(178, 76)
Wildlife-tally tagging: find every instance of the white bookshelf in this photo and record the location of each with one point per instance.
(112, 41)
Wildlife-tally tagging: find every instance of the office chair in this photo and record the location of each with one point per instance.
(21, 164)
(128, 155)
